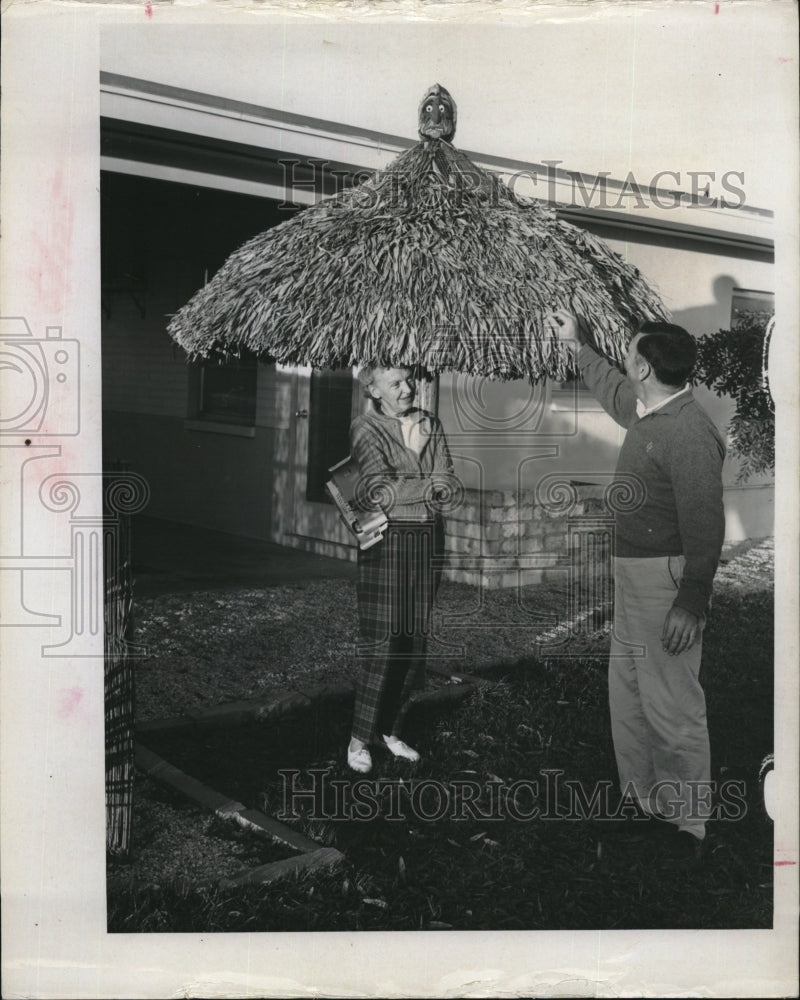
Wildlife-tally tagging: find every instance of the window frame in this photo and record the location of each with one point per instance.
(204, 417)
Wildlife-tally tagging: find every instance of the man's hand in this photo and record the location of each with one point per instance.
(681, 631)
(565, 327)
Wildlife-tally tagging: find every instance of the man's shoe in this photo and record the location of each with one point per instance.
(687, 852)
(359, 759)
(400, 749)
(631, 820)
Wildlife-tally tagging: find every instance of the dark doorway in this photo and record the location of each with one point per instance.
(330, 413)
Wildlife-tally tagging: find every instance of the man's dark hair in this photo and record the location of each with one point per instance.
(670, 351)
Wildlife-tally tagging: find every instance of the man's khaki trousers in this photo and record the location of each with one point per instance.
(658, 710)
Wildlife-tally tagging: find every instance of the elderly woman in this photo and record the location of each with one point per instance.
(404, 465)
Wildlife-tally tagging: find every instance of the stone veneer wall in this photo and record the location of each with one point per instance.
(505, 538)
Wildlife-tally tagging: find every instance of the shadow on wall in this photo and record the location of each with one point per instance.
(713, 316)
(701, 321)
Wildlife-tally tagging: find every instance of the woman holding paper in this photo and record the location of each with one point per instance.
(405, 468)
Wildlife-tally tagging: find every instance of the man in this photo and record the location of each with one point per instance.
(666, 553)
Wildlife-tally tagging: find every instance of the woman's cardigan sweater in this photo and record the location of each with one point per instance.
(394, 477)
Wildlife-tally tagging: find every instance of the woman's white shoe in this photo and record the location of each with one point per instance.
(400, 749)
(359, 758)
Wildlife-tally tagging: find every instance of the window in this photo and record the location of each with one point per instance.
(226, 393)
(751, 308)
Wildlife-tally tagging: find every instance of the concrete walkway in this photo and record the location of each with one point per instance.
(171, 558)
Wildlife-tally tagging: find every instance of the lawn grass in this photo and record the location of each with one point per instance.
(177, 842)
(477, 873)
(218, 646)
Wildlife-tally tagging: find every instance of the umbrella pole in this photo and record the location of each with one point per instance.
(428, 394)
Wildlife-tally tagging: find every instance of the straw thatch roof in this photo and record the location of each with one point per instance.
(432, 261)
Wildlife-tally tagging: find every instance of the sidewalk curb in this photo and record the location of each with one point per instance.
(285, 703)
(164, 773)
(323, 857)
(279, 704)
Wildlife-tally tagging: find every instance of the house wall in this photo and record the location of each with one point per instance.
(207, 477)
(167, 236)
(208, 480)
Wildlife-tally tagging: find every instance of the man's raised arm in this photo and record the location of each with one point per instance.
(608, 385)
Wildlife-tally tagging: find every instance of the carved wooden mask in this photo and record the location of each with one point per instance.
(437, 114)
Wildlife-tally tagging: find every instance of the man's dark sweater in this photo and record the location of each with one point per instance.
(677, 454)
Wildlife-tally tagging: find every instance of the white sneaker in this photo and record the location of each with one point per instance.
(359, 758)
(400, 749)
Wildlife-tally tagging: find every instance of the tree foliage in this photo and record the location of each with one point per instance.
(732, 363)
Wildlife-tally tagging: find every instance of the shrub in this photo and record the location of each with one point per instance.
(732, 363)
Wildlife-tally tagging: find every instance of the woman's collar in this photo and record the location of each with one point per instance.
(414, 411)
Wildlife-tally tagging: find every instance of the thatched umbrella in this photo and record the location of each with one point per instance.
(433, 262)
